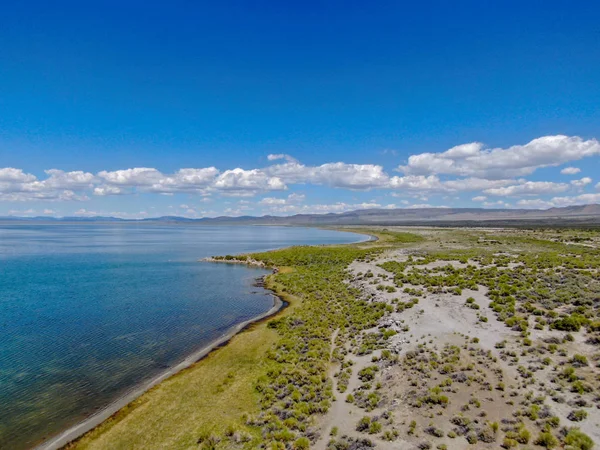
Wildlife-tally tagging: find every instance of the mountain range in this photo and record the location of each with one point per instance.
(581, 214)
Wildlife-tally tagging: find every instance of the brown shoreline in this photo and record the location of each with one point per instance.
(77, 431)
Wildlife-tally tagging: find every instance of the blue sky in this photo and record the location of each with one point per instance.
(144, 109)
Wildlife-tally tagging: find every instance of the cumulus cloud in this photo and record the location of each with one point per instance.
(417, 182)
(497, 204)
(557, 202)
(138, 176)
(59, 179)
(289, 207)
(146, 179)
(582, 182)
(474, 184)
(582, 199)
(108, 190)
(519, 160)
(338, 174)
(270, 201)
(471, 167)
(291, 199)
(535, 203)
(529, 188)
(275, 157)
(240, 180)
(18, 186)
(12, 175)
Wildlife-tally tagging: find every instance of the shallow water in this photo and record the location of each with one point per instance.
(88, 311)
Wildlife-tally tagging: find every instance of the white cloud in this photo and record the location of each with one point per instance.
(292, 199)
(557, 202)
(108, 190)
(338, 207)
(417, 182)
(535, 203)
(529, 188)
(275, 157)
(18, 186)
(59, 179)
(249, 181)
(296, 198)
(192, 179)
(465, 168)
(474, 184)
(21, 213)
(138, 176)
(338, 174)
(12, 175)
(582, 182)
(351, 176)
(498, 204)
(146, 179)
(432, 183)
(85, 213)
(582, 199)
(570, 171)
(420, 206)
(475, 160)
(270, 201)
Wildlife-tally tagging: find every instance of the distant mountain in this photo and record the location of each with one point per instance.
(583, 214)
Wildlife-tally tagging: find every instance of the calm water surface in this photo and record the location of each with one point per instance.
(88, 311)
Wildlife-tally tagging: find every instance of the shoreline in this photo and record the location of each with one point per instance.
(78, 430)
(279, 304)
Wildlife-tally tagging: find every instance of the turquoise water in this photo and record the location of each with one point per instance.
(88, 311)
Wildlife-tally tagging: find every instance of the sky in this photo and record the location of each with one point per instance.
(142, 109)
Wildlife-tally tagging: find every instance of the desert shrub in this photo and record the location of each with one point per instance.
(368, 373)
(509, 443)
(363, 424)
(375, 427)
(578, 440)
(546, 440)
(574, 322)
(579, 360)
(577, 415)
(434, 431)
(302, 444)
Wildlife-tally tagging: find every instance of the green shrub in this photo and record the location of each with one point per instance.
(375, 427)
(509, 443)
(579, 360)
(574, 322)
(546, 440)
(578, 415)
(363, 424)
(302, 444)
(578, 440)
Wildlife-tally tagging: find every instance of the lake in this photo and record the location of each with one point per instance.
(89, 311)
